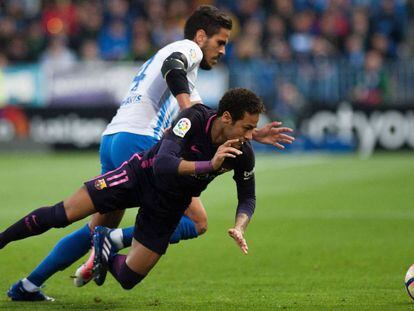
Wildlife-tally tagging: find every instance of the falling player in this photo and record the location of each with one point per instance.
(202, 144)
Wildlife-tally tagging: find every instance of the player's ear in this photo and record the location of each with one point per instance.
(200, 37)
(226, 117)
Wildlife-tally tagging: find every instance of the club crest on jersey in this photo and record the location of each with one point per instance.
(193, 54)
(100, 184)
(182, 127)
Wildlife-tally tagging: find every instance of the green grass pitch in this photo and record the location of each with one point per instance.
(329, 233)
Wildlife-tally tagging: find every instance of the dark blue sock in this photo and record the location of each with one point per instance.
(185, 230)
(35, 223)
(124, 274)
(66, 251)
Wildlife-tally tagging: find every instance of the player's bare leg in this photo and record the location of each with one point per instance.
(79, 205)
(120, 238)
(84, 274)
(110, 220)
(141, 259)
(131, 269)
(197, 213)
(128, 269)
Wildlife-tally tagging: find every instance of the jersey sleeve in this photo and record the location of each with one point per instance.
(245, 181)
(168, 157)
(192, 53)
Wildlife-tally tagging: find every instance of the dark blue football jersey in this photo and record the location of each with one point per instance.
(189, 138)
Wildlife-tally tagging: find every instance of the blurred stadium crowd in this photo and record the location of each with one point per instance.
(321, 50)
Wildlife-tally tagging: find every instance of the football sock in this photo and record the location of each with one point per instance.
(122, 273)
(66, 251)
(121, 238)
(185, 230)
(29, 286)
(35, 223)
(117, 238)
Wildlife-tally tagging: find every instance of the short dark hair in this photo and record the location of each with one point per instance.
(208, 18)
(238, 101)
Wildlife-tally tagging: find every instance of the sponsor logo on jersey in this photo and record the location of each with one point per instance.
(248, 175)
(195, 149)
(182, 127)
(100, 184)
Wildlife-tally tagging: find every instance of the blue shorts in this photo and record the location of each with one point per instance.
(119, 147)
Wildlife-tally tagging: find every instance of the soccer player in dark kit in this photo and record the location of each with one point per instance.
(201, 144)
(163, 85)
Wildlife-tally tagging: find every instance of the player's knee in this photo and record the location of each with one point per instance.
(45, 218)
(201, 226)
(110, 220)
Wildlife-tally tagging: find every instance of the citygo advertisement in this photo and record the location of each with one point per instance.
(363, 129)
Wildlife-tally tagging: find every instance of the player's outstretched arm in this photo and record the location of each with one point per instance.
(237, 232)
(273, 134)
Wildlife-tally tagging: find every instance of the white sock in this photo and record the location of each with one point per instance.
(29, 286)
(117, 236)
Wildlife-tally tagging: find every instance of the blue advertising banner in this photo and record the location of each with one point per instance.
(22, 85)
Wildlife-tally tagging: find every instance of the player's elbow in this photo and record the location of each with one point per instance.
(165, 164)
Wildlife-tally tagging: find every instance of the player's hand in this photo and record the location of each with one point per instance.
(225, 151)
(237, 236)
(272, 134)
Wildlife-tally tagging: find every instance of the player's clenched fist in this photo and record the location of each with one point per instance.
(225, 151)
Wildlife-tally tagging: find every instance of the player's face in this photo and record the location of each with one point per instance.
(243, 129)
(214, 48)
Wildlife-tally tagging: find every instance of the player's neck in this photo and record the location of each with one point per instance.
(217, 132)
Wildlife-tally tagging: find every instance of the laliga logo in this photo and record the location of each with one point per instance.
(13, 123)
(182, 127)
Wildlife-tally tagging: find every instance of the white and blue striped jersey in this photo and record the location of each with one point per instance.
(149, 107)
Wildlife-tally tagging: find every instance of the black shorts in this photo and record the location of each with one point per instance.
(125, 187)
(115, 190)
(157, 219)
